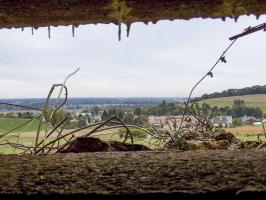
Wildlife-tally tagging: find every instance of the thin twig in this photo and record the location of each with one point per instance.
(21, 106)
(64, 83)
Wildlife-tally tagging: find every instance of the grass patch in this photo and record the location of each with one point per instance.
(28, 141)
(110, 135)
(247, 133)
(256, 100)
(250, 137)
(7, 124)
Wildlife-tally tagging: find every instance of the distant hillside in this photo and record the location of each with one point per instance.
(99, 100)
(254, 100)
(256, 89)
(79, 102)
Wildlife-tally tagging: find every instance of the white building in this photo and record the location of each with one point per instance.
(222, 121)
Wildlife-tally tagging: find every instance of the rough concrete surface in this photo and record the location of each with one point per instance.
(147, 175)
(40, 13)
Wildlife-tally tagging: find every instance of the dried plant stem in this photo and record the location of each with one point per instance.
(128, 131)
(65, 145)
(52, 131)
(45, 110)
(64, 83)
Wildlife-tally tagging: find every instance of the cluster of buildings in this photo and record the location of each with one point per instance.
(218, 121)
(224, 121)
(162, 121)
(250, 120)
(93, 117)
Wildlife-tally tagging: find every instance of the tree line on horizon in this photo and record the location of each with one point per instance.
(256, 89)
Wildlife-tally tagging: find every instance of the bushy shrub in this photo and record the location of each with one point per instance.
(136, 133)
(237, 122)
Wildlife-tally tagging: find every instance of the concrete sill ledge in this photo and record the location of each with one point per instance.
(135, 175)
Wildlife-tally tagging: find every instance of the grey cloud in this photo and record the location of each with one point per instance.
(164, 59)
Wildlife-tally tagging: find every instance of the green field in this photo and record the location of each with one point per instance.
(27, 141)
(250, 138)
(26, 136)
(7, 124)
(256, 100)
(30, 141)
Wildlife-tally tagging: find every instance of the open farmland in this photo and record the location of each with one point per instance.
(247, 133)
(256, 100)
(7, 124)
(28, 137)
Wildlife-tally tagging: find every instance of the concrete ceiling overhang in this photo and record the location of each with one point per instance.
(40, 13)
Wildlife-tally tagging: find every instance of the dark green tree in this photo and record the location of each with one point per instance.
(105, 115)
(129, 118)
(137, 111)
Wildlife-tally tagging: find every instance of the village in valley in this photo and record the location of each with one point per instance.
(218, 121)
(244, 122)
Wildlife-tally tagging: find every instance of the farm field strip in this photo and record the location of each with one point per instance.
(257, 100)
(7, 124)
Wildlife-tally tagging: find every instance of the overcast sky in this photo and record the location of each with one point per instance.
(157, 60)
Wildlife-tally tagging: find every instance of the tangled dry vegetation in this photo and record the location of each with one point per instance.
(68, 142)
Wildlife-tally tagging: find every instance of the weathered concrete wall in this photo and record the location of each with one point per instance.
(37, 13)
(129, 175)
